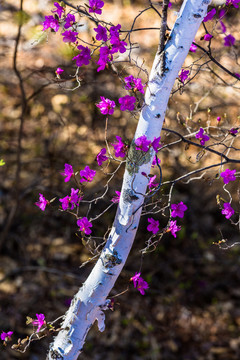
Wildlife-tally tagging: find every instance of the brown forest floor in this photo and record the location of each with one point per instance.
(192, 309)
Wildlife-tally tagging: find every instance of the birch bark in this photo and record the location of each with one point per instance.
(89, 303)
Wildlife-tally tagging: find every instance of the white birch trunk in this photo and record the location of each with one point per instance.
(89, 303)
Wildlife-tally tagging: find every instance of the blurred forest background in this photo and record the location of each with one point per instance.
(192, 309)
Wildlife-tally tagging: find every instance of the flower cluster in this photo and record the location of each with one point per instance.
(202, 137)
(71, 201)
(134, 84)
(227, 210)
(143, 144)
(139, 283)
(106, 106)
(120, 147)
(6, 336)
(184, 75)
(228, 175)
(84, 225)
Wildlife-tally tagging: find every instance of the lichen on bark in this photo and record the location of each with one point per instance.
(136, 158)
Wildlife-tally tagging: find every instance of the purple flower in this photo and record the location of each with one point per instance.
(193, 48)
(139, 283)
(118, 45)
(203, 137)
(101, 157)
(70, 20)
(127, 102)
(87, 174)
(153, 226)
(142, 143)
(50, 22)
(59, 10)
(119, 147)
(183, 75)
(156, 143)
(106, 106)
(114, 32)
(233, 131)
(178, 209)
(116, 198)
(134, 84)
(95, 6)
(223, 27)
(229, 40)
(68, 172)
(104, 57)
(219, 118)
(6, 336)
(39, 322)
(59, 71)
(101, 33)
(174, 227)
(209, 15)
(69, 36)
(207, 37)
(84, 225)
(222, 13)
(228, 210)
(155, 162)
(71, 200)
(84, 57)
(151, 183)
(42, 202)
(228, 175)
(233, 2)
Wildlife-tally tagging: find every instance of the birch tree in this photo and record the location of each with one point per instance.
(91, 301)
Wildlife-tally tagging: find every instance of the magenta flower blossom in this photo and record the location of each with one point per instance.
(116, 198)
(207, 37)
(201, 136)
(134, 84)
(70, 20)
(222, 13)
(87, 174)
(118, 45)
(153, 226)
(142, 143)
(156, 143)
(233, 131)
(193, 48)
(178, 209)
(227, 211)
(6, 336)
(68, 172)
(119, 147)
(209, 15)
(233, 2)
(114, 31)
(183, 75)
(223, 27)
(71, 201)
(95, 6)
(139, 283)
(219, 118)
(127, 102)
(229, 40)
(106, 106)
(42, 203)
(69, 36)
(84, 225)
(39, 322)
(101, 33)
(104, 57)
(101, 157)
(174, 227)
(59, 71)
(228, 175)
(58, 10)
(155, 162)
(151, 183)
(84, 57)
(50, 22)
